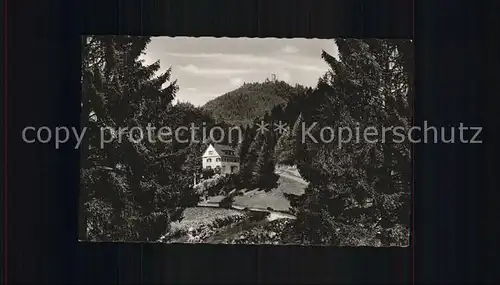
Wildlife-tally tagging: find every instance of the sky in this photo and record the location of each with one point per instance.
(206, 68)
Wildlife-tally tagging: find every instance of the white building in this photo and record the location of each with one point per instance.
(223, 156)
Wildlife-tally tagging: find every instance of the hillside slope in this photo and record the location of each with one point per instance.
(252, 100)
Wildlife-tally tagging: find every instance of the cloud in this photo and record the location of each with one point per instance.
(213, 71)
(236, 81)
(249, 59)
(290, 49)
(209, 67)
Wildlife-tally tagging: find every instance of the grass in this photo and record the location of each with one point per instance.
(201, 223)
(197, 216)
(273, 199)
(215, 199)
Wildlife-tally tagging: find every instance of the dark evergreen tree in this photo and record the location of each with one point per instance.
(287, 146)
(284, 151)
(131, 189)
(264, 167)
(248, 176)
(370, 86)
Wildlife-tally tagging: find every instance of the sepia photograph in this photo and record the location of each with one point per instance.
(246, 140)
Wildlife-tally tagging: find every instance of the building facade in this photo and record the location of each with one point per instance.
(223, 156)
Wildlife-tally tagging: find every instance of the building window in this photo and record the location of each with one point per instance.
(209, 160)
(217, 159)
(210, 152)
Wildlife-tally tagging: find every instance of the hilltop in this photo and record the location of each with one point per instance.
(250, 101)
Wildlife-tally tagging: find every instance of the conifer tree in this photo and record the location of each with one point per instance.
(264, 166)
(287, 146)
(131, 189)
(370, 85)
(285, 149)
(249, 175)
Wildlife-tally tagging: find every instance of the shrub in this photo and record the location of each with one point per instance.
(212, 186)
(217, 170)
(231, 182)
(227, 202)
(257, 215)
(275, 232)
(204, 231)
(398, 235)
(207, 173)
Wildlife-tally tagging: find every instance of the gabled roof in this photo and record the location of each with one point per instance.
(221, 148)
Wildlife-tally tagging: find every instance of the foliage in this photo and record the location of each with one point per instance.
(207, 173)
(257, 159)
(275, 232)
(250, 101)
(218, 185)
(227, 202)
(264, 166)
(131, 189)
(217, 170)
(286, 147)
(369, 86)
(203, 228)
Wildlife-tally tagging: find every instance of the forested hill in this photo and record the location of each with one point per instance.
(252, 100)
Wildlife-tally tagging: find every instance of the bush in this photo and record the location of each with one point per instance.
(207, 173)
(275, 232)
(212, 186)
(227, 202)
(218, 170)
(231, 182)
(202, 232)
(356, 235)
(398, 235)
(257, 215)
